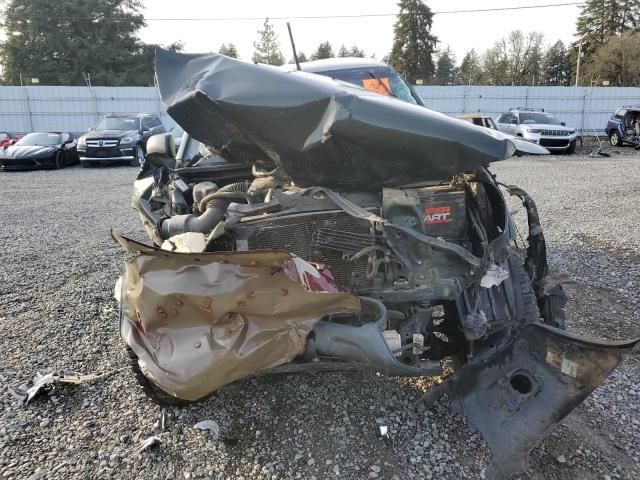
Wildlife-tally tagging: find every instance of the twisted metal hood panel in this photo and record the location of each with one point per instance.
(317, 130)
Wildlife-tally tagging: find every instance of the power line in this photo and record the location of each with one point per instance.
(297, 17)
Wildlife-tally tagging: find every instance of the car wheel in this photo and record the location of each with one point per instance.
(138, 157)
(572, 149)
(151, 390)
(59, 160)
(614, 138)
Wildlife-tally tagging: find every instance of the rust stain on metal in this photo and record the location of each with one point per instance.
(266, 332)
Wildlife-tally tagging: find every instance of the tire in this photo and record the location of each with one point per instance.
(614, 139)
(138, 157)
(572, 149)
(151, 390)
(59, 163)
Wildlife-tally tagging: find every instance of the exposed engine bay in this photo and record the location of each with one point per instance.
(396, 262)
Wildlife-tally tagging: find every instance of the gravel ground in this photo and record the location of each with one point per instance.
(57, 272)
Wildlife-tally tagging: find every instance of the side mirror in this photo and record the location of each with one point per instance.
(563, 124)
(161, 151)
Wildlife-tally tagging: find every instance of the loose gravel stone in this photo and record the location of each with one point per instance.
(57, 272)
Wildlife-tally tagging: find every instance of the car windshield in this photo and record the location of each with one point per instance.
(382, 80)
(533, 117)
(41, 139)
(118, 123)
(176, 131)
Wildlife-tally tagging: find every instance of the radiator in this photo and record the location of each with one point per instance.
(328, 237)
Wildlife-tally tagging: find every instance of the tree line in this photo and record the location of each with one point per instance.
(78, 41)
(607, 47)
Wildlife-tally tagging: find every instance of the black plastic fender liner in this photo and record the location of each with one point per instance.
(515, 398)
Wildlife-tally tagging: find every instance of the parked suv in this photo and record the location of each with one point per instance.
(539, 127)
(624, 126)
(119, 138)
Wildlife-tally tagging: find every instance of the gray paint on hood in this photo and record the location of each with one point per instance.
(320, 131)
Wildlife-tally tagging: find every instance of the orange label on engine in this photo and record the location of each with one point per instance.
(433, 215)
(378, 85)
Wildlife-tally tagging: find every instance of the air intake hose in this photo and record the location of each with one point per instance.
(213, 206)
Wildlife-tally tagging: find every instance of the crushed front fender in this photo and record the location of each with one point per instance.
(517, 396)
(200, 321)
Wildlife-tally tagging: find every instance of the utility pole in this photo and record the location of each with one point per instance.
(578, 62)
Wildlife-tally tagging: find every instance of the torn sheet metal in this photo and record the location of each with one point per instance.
(25, 393)
(200, 321)
(515, 398)
(317, 130)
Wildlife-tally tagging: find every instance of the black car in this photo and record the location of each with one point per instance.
(38, 150)
(119, 138)
(624, 126)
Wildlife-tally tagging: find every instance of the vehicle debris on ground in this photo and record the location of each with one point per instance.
(27, 392)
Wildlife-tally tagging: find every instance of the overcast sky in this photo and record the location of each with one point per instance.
(461, 31)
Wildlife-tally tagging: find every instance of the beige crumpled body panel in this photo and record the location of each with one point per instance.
(200, 321)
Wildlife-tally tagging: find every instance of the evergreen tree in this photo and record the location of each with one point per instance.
(267, 48)
(354, 51)
(471, 69)
(446, 70)
(302, 57)
(325, 50)
(600, 19)
(229, 50)
(557, 66)
(54, 41)
(413, 44)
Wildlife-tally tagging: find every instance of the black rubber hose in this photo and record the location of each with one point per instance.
(233, 191)
(213, 206)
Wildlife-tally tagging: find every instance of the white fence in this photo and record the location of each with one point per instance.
(72, 109)
(76, 109)
(585, 108)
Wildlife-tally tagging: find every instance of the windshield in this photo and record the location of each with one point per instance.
(527, 118)
(40, 139)
(176, 131)
(118, 123)
(383, 80)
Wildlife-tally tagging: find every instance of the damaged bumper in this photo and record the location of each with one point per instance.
(200, 321)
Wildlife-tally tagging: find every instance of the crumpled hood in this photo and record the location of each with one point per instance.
(20, 151)
(319, 131)
(110, 134)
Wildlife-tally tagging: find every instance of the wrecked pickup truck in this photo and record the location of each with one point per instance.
(309, 224)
